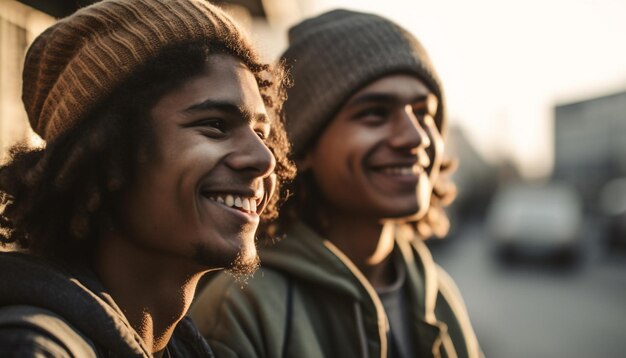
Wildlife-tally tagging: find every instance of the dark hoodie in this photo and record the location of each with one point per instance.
(63, 312)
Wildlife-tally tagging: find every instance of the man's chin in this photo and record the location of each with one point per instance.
(241, 263)
(244, 266)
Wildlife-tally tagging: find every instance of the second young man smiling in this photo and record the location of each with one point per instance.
(351, 278)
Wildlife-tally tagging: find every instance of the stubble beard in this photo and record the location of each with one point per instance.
(242, 266)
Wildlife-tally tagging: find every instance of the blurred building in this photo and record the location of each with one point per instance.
(265, 20)
(19, 25)
(476, 179)
(590, 143)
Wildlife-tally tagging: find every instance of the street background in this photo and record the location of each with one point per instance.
(537, 310)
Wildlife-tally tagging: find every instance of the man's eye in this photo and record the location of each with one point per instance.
(263, 130)
(213, 123)
(419, 112)
(373, 115)
(211, 127)
(423, 115)
(372, 112)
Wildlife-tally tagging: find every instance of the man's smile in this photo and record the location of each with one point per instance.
(246, 204)
(400, 170)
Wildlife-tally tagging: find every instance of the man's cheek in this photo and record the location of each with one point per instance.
(269, 188)
(270, 185)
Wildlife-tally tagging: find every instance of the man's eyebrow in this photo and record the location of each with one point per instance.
(383, 97)
(229, 108)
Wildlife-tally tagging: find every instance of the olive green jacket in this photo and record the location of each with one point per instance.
(310, 300)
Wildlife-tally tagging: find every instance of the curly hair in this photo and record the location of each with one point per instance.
(56, 201)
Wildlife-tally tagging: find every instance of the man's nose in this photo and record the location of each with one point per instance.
(253, 155)
(408, 131)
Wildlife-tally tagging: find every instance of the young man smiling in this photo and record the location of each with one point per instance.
(162, 154)
(352, 278)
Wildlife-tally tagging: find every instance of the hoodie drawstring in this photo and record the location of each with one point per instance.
(288, 316)
(360, 325)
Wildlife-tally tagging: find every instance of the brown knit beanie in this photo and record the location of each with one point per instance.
(81, 59)
(334, 55)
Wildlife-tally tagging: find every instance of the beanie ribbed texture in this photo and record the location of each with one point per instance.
(81, 59)
(334, 55)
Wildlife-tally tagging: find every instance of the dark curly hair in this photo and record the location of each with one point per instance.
(56, 201)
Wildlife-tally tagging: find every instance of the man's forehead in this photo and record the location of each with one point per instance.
(398, 84)
(229, 107)
(225, 85)
(236, 84)
(404, 88)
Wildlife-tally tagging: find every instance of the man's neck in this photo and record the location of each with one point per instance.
(155, 293)
(368, 245)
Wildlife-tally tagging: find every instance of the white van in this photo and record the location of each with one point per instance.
(536, 221)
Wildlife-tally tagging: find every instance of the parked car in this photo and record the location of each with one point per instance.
(536, 222)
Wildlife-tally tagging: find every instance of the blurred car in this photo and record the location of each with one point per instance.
(536, 222)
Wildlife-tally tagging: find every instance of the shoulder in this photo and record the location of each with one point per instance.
(228, 297)
(435, 279)
(242, 318)
(29, 331)
(450, 309)
(29, 342)
(449, 299)
(443, 299)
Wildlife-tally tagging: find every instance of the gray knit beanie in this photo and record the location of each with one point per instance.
(333, 55)
(82, 59)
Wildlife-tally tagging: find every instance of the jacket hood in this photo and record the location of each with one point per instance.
(74, 294)
(307, 257)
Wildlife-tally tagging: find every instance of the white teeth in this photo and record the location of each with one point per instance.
(234, 201)
(229, 200)
(400, 170)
